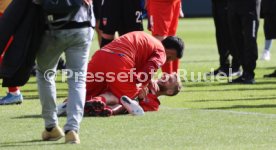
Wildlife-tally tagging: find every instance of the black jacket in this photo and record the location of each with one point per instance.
(268, 7)
(24, 20)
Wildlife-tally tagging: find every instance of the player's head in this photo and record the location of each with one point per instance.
(174, 47)
(169, 84)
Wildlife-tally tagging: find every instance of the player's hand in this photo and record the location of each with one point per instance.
(143, 93)
(88, 2)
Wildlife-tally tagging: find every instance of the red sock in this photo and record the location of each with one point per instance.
(175, 64)
(13, 89)
(167, 67)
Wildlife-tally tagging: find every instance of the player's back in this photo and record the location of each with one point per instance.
(138, 47)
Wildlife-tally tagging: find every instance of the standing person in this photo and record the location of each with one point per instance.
(72, 34)
(224, 44)
(14, 95)
(269, 13)
(244, 23)
(123, 16)
(163, 17)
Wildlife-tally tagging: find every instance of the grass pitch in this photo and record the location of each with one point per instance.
(205, 115)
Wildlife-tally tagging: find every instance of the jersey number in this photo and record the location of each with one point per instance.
(138, 18)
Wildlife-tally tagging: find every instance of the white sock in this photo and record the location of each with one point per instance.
(16, 93)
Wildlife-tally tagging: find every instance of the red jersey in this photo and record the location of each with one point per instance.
(140, 49)
(150, 103)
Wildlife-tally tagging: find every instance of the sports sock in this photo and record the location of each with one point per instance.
(268, 45)
(167, 67)
(49, 129)
(175, 65)
(14, 90)
(105, 41)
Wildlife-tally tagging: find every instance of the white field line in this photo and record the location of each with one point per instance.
(226, 111)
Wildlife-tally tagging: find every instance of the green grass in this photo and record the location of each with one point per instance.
(205, 115)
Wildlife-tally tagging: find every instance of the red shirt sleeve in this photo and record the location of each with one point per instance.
(150, 103)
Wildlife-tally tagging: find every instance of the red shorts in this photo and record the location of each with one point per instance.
(164, 17)
(104, 72)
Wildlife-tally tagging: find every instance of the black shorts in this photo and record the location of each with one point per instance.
(270, 26)
(121, 15)
(97, 4)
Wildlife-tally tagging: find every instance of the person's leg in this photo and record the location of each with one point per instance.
(175, 65)
(235, 29)
(222, 32)
(77, 59)
(167, 67)
(13, 96)
(173, 28)
(161, 20)
(47, 59)
(268, 44)
(250, 24)
(14, 90)
(266, 51)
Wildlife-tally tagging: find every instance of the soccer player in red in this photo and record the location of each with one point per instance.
(13, 96)
(168, 85)
(163, 17)
(137, 55)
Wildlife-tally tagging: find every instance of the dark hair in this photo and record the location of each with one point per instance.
(174, 42)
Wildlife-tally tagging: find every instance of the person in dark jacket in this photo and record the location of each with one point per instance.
(269, 14)
(24, 21)
(14, 95)
(244, 22)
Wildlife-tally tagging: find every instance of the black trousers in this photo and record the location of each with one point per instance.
(243, 24)
(219, 10)
(223, 38)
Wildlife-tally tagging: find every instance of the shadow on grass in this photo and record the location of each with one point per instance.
(35, 97)
(216, 83)
(200, 61)
(266, 67)
(35, 82)
(234, 89)
(238, 99)
(244, 106)
(28, 117)
(27, 143)
(36, 90)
